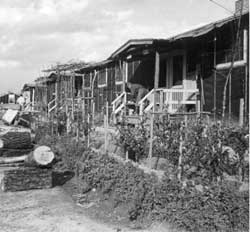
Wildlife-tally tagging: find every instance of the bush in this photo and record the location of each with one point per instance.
(219, 207)
(134, 139)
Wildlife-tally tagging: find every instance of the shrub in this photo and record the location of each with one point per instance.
(219, 207)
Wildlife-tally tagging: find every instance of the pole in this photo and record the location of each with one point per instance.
(230, 98)
(215, 75)
(245, 57)
(241, 116)
(156, 85)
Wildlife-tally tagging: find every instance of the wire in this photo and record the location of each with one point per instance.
(220, 5)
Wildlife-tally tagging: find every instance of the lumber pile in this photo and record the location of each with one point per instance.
(26, 178)
(24, 166)
(15, 143)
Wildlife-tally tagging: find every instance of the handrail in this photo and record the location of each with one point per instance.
(118, 98)
(180, 90)
(172, 96)
(146, 96)
(54, 100)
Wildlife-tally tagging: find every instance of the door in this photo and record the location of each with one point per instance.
(175, 70)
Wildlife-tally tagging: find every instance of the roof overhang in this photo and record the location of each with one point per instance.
(132, 43)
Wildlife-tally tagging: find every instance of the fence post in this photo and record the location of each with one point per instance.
(241, 116)
(151, 137)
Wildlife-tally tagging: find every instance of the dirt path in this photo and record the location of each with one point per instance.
(49, 210)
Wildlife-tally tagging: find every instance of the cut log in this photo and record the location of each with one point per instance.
(25, 178)
(1, 143)
(14, 152)
(18, 159)
(16, 140)
(41, 156)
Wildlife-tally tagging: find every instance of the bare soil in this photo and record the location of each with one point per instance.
(54, 210)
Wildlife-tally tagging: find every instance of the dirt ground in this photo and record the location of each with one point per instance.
(51, 210)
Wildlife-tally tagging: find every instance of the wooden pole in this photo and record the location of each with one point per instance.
(230, 97)
(93, 113)
(151, 137)
(241, 116)
(107, 110)
(33, 99)
(245, 57)
(83, 98)
(215, 78)
(72, 97)
(88, 138)
(105, 133)
(156, 85)
(156, 77)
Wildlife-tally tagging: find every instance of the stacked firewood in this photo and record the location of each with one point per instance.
(24, 166)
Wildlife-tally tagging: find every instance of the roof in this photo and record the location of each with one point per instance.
(188, 34)
(95, 65)
(66, 67)
(28, 85)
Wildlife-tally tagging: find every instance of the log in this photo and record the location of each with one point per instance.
(16, 140)
(24, 178)
(41, 156)
(18, 159)
(1, 143)
(14, 152)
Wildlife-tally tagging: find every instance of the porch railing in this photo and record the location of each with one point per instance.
(169, 99)
(52, 105)
(119, 103)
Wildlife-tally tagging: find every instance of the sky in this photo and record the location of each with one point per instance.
(35, 34)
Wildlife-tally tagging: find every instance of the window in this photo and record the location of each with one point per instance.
(87, 80)
(177, 70)
(118, 75)
(102, 78)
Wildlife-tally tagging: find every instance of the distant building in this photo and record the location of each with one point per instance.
(8, 98)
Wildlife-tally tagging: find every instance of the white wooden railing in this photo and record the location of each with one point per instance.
(171, 99)
(52, 105)
(119, 103)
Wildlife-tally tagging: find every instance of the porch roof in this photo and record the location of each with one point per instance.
(28, 86)
(136, 44)
(95, 65)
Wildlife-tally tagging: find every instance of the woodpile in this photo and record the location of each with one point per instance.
(24, 166)
(15, 143)
(26, 178)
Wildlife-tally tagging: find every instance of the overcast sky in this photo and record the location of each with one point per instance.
(37, 33)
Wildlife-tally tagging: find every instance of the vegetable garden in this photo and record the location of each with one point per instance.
(195, 193)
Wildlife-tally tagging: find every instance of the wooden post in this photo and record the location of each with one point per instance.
(151, 137)
(179, 168)
(93, 113)
(88, 138)
(215, 79)
(156, 85)
(107, 110)
(33, 99)
(83, 98)
(245, 57)
(241, 116)
(73, 96)
(230, 98)
(105, 133)
(156, 77)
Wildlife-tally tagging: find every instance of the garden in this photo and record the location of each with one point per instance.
(206, 171)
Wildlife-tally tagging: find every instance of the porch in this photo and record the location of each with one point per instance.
(172, 88)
